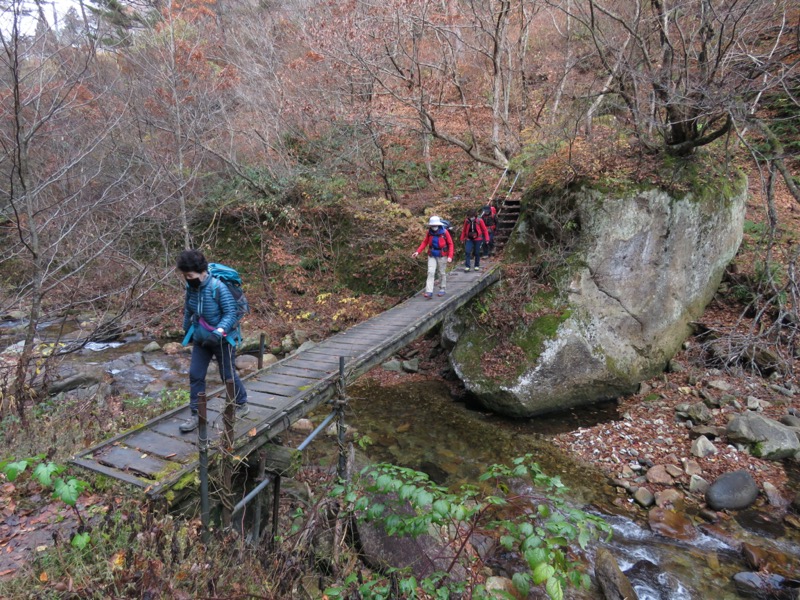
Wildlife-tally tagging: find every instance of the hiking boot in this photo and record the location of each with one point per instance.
(467, 269)
(427, 295)
(477, 268)
(190, 424)
(242, 410)
(440, 293)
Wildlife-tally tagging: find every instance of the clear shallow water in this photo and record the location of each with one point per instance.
(419, 425)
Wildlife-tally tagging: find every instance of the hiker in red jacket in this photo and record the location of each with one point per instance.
(440, 252)
(474, 234)
(489, 216)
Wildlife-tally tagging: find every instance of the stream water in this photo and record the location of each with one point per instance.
(419, 425)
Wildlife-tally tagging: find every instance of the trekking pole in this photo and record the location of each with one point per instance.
(499, 181)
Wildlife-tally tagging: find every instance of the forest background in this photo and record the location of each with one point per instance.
(305, 143)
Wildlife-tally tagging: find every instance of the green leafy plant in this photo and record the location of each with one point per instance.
(363, 441)
(752, 228)
(167, 400)
(46, 473)
(540, 527)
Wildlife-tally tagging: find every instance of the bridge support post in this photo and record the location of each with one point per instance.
(341, 428)
(262, 342)
(226, 453)
(202, 447)
(255, 534)
(276, 505)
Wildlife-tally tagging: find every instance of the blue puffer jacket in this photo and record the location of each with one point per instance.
(215, 303)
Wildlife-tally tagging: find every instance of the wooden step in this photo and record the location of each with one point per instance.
(507, 217)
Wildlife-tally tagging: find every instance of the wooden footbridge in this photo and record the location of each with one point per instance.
(155, 456)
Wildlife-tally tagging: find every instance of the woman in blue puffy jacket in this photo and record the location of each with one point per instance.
(209, 313)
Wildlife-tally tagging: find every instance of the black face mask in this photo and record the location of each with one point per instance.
(194, 283)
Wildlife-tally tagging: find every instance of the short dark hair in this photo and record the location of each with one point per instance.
(472, 213)
(192, 260)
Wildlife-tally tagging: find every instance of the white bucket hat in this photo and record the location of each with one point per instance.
(435, 222)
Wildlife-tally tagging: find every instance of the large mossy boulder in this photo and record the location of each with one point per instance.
(638, 268)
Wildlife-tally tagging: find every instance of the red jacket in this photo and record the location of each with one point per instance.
(442, 239)
(480, 229)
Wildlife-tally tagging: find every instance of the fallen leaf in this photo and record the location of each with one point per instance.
(6, 572)
(43, 576)
(118, 560)
(41, 548)
(143, 456)
(252, 432)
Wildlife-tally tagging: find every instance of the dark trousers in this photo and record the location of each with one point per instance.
(473, 248)
(488, 247)
(225, 354)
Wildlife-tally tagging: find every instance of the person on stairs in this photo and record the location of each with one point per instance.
(474, 234)
(489, 216)
(440, 252)
(209, 320)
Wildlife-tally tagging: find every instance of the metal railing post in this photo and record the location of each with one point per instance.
(227, 453)
(256, 530)
(341, 428)
(202, 447)
(276, 504)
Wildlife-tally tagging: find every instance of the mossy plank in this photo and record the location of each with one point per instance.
(132, 460)
(163, 446)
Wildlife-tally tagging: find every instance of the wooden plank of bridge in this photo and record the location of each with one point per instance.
(157, 455)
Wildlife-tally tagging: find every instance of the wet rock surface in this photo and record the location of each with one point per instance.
(613, 582)
(732, 491)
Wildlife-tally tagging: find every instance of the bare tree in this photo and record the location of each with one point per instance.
(428, 65)
(178, 83)
(688, 70)
(67, 197)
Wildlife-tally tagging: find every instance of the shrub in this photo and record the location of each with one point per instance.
(539, 526)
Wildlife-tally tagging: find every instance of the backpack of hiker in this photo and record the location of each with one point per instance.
(488, 214)
(439, 246)
(228, 276)
(471, 223)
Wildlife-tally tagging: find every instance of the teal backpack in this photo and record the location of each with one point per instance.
(231, 278)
